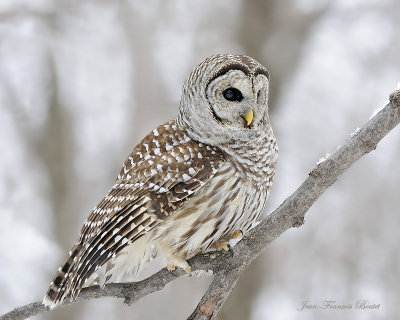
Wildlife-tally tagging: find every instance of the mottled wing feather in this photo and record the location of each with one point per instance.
(158, 178)
(131, 225)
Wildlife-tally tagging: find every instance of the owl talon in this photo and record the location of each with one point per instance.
(171, 267)
(230, 249)
(176, 261)
(237, 234)
(223, 246)
(171, 270)
(188, 270)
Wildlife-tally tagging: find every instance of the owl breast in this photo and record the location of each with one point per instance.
(233, 200)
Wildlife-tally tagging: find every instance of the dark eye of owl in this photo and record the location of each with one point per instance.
(232, 94)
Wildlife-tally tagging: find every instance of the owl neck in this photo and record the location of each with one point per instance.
(254, 158)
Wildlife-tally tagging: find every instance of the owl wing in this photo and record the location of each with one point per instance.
(159, 177)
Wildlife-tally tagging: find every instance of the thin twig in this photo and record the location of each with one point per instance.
(290, 213)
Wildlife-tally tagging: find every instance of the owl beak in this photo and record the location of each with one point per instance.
(248, 117)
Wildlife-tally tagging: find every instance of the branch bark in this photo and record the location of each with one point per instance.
(290, 213)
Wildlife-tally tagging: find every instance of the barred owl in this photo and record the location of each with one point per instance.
(189, 186)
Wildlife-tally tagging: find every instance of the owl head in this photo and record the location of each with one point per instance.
(225, 98)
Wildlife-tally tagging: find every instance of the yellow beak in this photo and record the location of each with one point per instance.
(249, 117)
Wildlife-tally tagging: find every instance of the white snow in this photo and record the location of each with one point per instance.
(355, 132)
(327, 155)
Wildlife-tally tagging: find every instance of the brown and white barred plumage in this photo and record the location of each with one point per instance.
(191, 183)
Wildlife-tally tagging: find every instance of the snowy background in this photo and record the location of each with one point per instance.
(81, 82)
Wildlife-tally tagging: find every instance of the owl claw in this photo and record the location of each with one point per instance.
(185, 266)
(188, 270)
(237, 234)
(223, 246)
(171, 269)
(230, 250)
(172, 273)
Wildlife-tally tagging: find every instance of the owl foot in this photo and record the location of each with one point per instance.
(237, 234)
(173, 259)
(171, 268)
(177, 261)
(223, 245)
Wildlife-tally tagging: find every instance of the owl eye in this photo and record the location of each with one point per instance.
(232, 94)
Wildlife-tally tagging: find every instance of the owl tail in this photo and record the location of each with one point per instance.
(59, 287)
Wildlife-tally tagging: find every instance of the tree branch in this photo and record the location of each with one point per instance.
(290, 213)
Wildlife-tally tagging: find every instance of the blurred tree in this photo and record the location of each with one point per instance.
(77, 79)
(274, 33)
